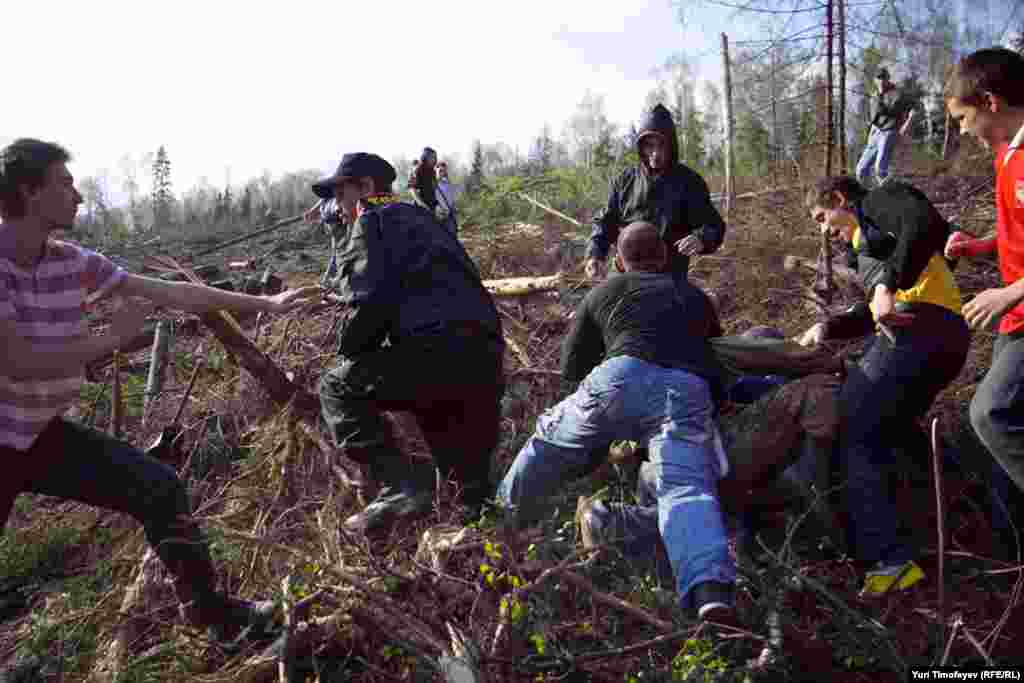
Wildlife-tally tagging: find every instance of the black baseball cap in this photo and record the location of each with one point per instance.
(356, 165)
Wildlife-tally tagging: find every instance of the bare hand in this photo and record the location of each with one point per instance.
(593, 268)
(814, 335)
(312, 215)
(293, 298)
(128, 319)
(955, 245)
(985, 310)
(690, 245)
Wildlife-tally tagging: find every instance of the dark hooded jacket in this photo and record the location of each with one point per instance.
(404, 276)
(677, 201)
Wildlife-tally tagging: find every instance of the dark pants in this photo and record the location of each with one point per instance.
(997, 415)
(72, 461)
(452, 386)
(882, 400)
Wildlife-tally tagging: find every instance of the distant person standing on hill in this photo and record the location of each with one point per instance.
(423, 183)
(662, 191)
(892, 110)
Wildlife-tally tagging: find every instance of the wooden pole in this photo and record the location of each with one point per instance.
(775, 128)
(155, 380)
(829, 116)
(730, 190)
(843, 165)
(826, 243)
(116, 404)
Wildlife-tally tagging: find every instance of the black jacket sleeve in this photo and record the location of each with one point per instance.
(583, 348)
(607, 223)
(854, 322)
(367, 284)
(920, 230)
(706, 220)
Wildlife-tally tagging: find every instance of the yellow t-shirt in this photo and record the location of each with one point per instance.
(936, 284)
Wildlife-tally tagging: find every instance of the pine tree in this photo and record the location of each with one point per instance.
(475, 181)
(163, 197)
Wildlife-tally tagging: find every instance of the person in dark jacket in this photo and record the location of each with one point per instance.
(919, 348)
(410, 283)
(422, 181)
(662, 191)
(641, 381)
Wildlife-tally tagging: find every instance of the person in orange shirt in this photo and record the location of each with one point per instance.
(985, 93)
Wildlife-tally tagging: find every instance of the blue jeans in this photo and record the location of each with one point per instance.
(877, 153)
(997, 415)
(668, 410)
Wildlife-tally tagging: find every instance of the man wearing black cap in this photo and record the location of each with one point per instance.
(662, 191)
(409, 282)
(892, 110)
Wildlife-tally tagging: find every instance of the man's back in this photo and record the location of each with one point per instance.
(406, 272)
(647, 316)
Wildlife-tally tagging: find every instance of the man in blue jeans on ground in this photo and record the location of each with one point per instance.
(892, 111)
(639, 343)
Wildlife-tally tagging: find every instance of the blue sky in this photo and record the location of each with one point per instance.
(235, 88)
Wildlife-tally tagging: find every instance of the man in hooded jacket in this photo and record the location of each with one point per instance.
(662, 191)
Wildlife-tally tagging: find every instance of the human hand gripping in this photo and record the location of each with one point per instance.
(690, 245)
(814, 335)
(293, 298)
(985, 310)
(593, 268)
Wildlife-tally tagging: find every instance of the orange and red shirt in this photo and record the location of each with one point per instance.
(1009, 164)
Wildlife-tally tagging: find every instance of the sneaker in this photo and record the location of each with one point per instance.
(713, 601)
(885, 578)
(380, 516)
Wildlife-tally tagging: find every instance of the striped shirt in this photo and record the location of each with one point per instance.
(47, 306)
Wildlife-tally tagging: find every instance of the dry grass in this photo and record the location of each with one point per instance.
(265, 487)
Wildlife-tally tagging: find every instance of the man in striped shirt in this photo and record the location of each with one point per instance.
(45, 286)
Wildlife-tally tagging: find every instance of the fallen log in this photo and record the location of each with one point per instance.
(274, 380)
(263, 231)
(521, 286)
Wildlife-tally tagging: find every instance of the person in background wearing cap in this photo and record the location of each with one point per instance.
(408, 281)
(892, 111)
(333, 222)
(662, 191)
(422, 182)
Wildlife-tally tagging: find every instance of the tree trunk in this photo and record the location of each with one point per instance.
(843, 161)
(730, 190)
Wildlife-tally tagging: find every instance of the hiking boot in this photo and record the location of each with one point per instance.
(390, 507)
(885, 578)
(713, 601)
(230, 619)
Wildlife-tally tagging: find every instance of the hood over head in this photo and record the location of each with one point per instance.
(659, 121)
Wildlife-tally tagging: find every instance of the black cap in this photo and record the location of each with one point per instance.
(356, 165)
(883, 73)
